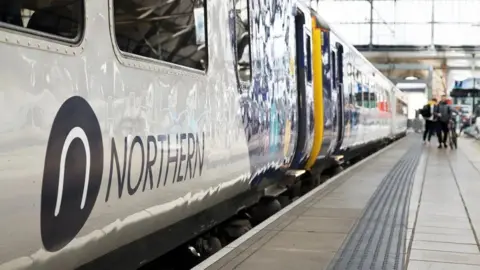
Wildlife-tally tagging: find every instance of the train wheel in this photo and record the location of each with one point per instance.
(205, 246)
(265, 208)
(317, 180)
(237, 228)
(284, 200)
(214, 245)
(338, 170)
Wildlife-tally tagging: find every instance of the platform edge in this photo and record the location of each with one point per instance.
(230, 247)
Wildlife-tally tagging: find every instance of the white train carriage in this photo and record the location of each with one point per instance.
(371, 109)
(129, 127)
(120, 118)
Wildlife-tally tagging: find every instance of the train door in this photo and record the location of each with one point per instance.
(329, 95)
(393, 101)
(320, 42)
(301, 74)
(338, 71)
(334, 98)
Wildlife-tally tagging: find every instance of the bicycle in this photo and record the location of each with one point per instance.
(452, 134)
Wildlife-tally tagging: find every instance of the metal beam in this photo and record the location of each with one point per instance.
(432, 30)
(413, 90)
(463, 68)
(429, 89)
(394, 80)
(370, 45)
(420, 55)
(418, 48)
(408, 66)
(402, 66)
(473, 63)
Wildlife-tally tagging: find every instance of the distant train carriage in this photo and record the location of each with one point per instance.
(131, 127)
(355, 106)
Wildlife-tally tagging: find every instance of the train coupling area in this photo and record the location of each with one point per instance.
(291, 176)
(338, 159)
(408, 206)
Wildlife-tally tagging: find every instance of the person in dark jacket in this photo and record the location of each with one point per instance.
(443, 114)
(430, 121)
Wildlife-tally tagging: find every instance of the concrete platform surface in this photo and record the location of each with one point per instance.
(409, 206)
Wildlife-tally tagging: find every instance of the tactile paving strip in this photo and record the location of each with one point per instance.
(378, 239)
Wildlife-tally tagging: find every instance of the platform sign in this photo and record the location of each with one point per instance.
(468, 88)
(467, 84)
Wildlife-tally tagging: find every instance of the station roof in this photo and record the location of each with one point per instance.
(436, 41)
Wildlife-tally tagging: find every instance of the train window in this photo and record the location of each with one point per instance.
(366, 98)
(242, 33)
(358, 95)
(171, 31)
(362, 97)
(398, 107)
(373, 99)
(350, 70)
(388, 101)
(56, 18)
(350, 81)
(309, 59)
(334, 69)
(385, 100)
(340, 62)
(358, 88)
(370, 99)
(350, 93)
(358, 76)
(374, 95)
(381, 98)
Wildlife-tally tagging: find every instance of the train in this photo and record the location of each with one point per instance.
(129, 128)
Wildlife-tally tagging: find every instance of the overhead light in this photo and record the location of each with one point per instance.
(411, 78)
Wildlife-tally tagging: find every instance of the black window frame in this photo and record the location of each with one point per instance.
(52, 37)
(309, 55)
(249, 42)
(161, 62)
(334, 69)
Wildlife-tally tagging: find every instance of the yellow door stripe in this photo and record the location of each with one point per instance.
(317, 93)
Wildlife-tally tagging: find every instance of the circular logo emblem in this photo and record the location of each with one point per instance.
(72, 174)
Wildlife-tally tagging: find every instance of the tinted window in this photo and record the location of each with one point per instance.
(61, 18)
(171, 31)
(334, 69)
(309, 58)
(242, 31)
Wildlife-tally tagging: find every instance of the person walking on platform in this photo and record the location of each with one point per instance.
(443, 113)
(427, 113)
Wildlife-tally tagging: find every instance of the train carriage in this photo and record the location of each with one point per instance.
(356, 108)
(131, 127)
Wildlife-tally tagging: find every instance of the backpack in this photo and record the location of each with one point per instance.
(426, 112)
(445, 112)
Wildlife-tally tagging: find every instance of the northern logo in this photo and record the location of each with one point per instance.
(72, 174)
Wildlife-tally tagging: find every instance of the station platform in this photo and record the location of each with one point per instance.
(409, 206)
